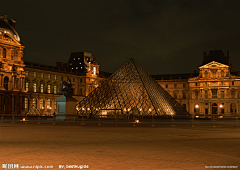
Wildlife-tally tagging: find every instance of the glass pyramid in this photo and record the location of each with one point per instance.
(130, 91)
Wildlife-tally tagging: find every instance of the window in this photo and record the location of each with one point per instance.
(48, 104)
(233, 94)
(6, 79)
(4, 52)
(55, 105)
(166, 86)
(26, 86)
(41, 104)
(94, 70)
(206, 94)
(233, 83)
(49, 88)
(78, 58)
(70, 64)
(49, 76)
(196, 84)
(73, 58)
(34, 102)
(34, 87)
(12, 55)
(26, 73)
(206, 74)
(26, 103)
(184, 85)
(34, 74)
(73, 79)
(80, 80)
(76, 67)
(184, 95)
(222, 73)
(55, 77)
(222, 94)
(41, 88)
(41, 75)
(55, 90)
(214, 93)
(196, 94)
(175, 95)
(15, 54)
(214, 73)
(175, 86)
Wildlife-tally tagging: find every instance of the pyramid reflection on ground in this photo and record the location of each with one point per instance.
(130, 91)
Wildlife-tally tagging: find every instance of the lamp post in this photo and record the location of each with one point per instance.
(193, 115)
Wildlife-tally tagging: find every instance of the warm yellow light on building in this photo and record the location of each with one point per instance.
(196, 106)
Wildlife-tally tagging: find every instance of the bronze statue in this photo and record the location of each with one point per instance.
(67, 88)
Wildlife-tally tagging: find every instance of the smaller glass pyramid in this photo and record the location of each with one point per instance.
(130, 90)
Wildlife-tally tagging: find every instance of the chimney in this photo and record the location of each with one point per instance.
(12, 23)
(228, 57)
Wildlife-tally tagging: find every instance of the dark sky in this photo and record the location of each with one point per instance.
(163, 36)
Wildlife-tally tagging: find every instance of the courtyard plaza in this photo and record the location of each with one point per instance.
(123, 144)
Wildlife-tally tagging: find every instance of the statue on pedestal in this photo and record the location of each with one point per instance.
(67, 88)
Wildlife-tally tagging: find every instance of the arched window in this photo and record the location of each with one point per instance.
(6, 79)
(233, 107)
(26, 103)
(41, 104)
(233, 93)
(49, 104)
(214, 73)
(206, 94)
(4, 52)
(222, 73)
(35, 102)
(15, 54)
(206, 74)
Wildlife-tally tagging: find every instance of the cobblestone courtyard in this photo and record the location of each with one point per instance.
(119, 147)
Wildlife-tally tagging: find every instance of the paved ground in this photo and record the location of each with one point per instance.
(120, 147)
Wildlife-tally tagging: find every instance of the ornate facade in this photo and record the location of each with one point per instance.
(214, 90)
(26, 85)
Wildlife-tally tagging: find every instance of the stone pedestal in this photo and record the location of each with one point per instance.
(66, 107)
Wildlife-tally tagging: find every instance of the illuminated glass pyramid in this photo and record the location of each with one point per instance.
(130, 91)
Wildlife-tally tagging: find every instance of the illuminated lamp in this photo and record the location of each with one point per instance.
(221, 105)
(83, 108)
(128, 109)
(196, 106)
(197, 116)
(140, 110)
(88, 108)
(150, 110)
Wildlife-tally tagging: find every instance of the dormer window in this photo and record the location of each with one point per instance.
(206, 74)
(4, 52)
(214, 73)
(222, 73)
(70, 63)
(76, 67)
(73, 58)
(78, 58)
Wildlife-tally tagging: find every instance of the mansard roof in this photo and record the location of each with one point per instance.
(216, 55)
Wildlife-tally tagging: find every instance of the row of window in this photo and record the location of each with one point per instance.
(41, 103)
(49, 76)
(207, 74)
(41, 88)
(214, 94)
(14, 54)
(175, 85)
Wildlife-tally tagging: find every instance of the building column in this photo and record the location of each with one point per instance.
(1, 83)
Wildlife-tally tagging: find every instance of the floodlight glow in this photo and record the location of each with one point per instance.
(221, 106)
(196, 106)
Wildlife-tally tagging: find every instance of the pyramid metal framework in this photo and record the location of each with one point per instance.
(130, 91)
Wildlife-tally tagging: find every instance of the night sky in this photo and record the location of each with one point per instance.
(163, 36)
